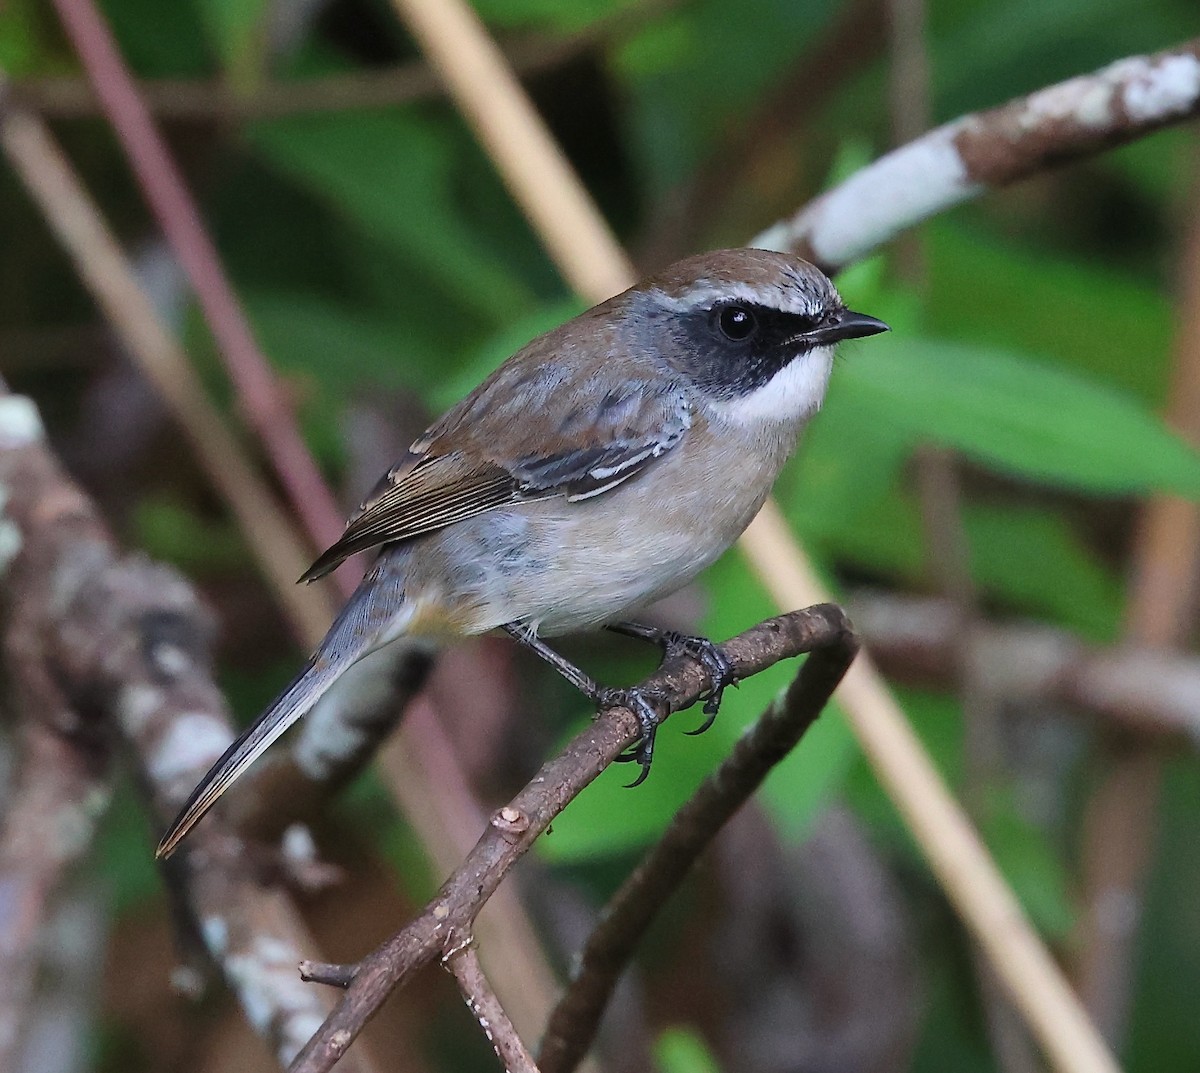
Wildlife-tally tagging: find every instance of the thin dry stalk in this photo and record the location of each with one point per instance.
(78, 224)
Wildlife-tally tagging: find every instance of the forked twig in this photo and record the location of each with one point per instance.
(439, 928)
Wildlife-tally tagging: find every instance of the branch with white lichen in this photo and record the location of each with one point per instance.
(125, 644)
(961, 160)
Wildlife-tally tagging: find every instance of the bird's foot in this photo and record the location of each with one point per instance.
(701, 649)
(642, 703)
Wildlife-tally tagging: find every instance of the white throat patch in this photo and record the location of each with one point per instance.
(793, 393)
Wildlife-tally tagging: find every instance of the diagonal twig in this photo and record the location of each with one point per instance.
(159, 178)
(449, 917)
(463, 965)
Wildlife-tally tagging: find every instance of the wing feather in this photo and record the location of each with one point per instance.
(487, 452)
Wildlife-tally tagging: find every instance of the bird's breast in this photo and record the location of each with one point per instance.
(566, 566)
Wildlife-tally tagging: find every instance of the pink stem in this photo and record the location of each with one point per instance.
(258, 389)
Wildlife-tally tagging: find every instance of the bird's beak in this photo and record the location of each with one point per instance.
(845, 325)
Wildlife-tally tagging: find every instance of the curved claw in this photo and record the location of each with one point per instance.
(642, 751)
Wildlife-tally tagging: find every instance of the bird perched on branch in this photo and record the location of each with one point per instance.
(602, 466)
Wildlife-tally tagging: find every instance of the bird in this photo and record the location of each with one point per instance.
(601, 467)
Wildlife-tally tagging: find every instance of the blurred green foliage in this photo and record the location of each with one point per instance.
(377, 252)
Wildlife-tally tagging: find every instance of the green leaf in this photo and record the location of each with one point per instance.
(237, 30)
(681, 1050)
(507, 341)
(847, 462)
(1111, 325)
(1022, 416)
(696, 68)
(1033, 560)
(160, 40)
(167, 530)
(391, 175)
(341, 347)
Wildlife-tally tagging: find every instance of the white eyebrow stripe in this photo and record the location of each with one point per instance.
(704, 294)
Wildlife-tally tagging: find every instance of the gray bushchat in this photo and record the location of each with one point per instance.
(602, 466)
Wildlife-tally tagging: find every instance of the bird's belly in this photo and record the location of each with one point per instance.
(563, 566)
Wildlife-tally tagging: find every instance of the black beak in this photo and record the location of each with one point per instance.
(845, 325)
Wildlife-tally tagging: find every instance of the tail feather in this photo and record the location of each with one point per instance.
(368, 620)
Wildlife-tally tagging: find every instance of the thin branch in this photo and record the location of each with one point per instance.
(463, 964)
(127, 641)
(1141, 692)
(623, 923)
(176, 213)
(173, 99)
(102, 266)
(513, 828)
(960, 161)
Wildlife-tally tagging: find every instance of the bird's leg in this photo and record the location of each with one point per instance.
(674, 643)
(638, 701)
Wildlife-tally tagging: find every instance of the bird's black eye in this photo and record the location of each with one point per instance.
(737, 323)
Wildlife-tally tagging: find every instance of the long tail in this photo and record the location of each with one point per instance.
(373, 616)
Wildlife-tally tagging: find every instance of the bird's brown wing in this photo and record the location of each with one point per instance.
(513, 442)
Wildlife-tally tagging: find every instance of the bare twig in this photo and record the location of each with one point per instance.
(127, 642)
(163, 186)
(589, 258)
(447, 819)
(1121, 818)
(168, 99)
(513, 828)
(576, 1018)
(464, 965)
(1140, 692)
(106, 272)
(963, 159)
